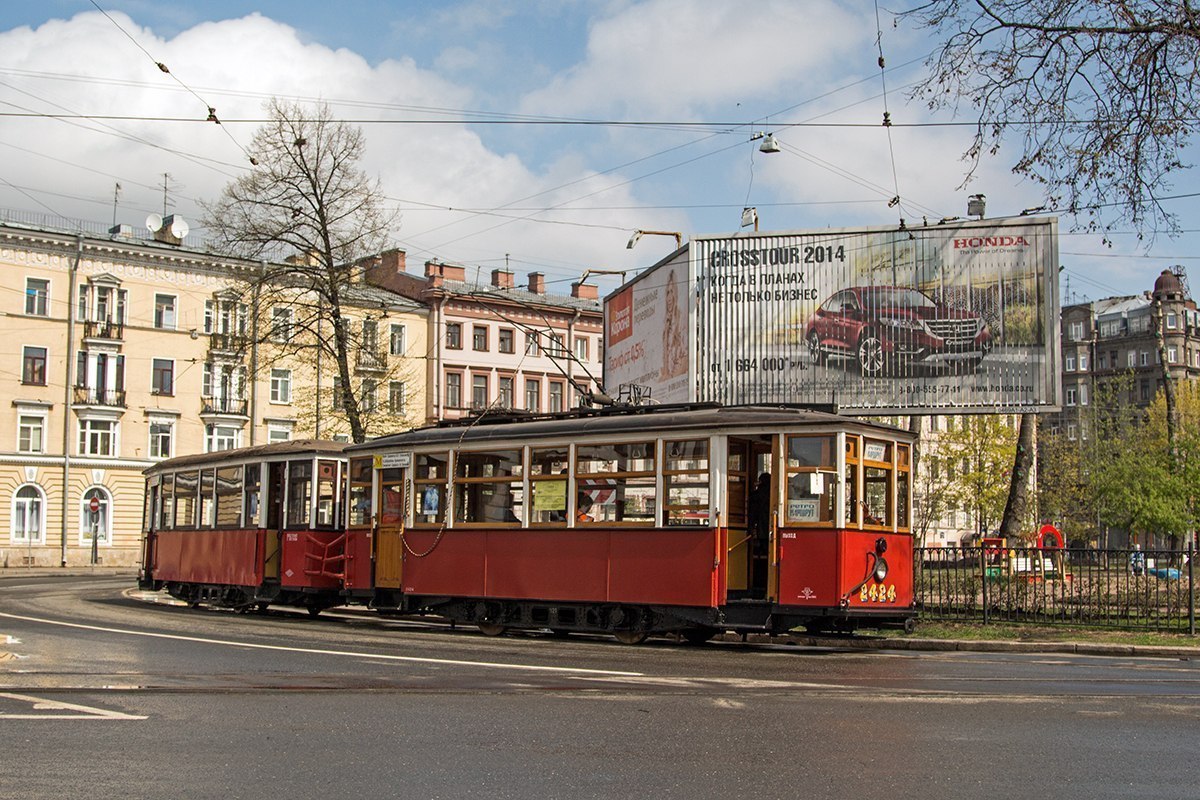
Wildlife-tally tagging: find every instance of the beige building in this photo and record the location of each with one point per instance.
(121, 352)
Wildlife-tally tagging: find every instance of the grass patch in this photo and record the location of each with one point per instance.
(1000, 631)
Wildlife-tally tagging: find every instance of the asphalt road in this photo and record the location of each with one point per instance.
(106, 692)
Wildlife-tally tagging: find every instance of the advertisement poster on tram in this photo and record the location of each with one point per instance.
(945, 318)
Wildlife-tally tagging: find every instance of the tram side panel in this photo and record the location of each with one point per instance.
(230, 557)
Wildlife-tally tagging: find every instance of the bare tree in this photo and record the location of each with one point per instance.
(1101, 92)
(308, 199)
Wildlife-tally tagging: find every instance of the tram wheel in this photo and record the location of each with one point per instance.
(488, 628)
(314, 611)
(631, 637)
(559, 633)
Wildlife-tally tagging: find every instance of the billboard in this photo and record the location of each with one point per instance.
(939, 319)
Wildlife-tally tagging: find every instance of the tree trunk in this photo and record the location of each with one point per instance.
(1018, 487)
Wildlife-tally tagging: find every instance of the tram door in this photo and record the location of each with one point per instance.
(751, 523)
(273, 520)
(389, 535)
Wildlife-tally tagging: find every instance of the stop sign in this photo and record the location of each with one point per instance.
(94, 505)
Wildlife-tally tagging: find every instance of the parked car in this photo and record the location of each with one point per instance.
(888, 328)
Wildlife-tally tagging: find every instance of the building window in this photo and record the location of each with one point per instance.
(505, 392)
(1072, 394)
(533, 395)
(556, 348)
(398, 341)
(1083, 362)
(164, 311)
(454, 335)
(33, 368)
(1172, 355)
(281, 325)
(221, 437)
(453, 390)
(581, 348)
(37, 296)
(505, 340)
(1144, 358)
(281, 386)
(97, 437)
(369, 396)
(95, 523)
(31, 433)
(479, 338)
(1083, 394)
(338, 395)
(479, 391)
(533, 344)
(28, 515)
(1070, 365)
(162, 379)
(1071, 431)
(161, 434)
(1131, 359)
(1172, 321)
(1101, 361)
(370, 336)
(396, 397)
(1076, 331)
(278, 433)
(556, 396)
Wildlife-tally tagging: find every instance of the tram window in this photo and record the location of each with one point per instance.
(166, 503)
(327, 494)
(429, 496)
(877, 508)
(360, 491)
(851, 481)
(488, 487)
(208, 498)
(391, 501)
(737, 480)
(229, 497)
(903, 478)
(619, 480)
(811, 488)
(548, 485)
(685, 482)
(250, 504)
(186, 485)
(299, 494)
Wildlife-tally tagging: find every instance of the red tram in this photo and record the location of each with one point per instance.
(633, 522)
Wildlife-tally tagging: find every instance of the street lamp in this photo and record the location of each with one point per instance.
(637, 235)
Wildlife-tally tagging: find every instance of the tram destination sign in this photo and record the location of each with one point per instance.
(948, 318)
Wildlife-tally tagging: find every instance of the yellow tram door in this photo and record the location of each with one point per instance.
(737, 495)
(273, 518)
(389, 533)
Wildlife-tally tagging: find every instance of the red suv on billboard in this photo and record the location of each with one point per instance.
(887, 328)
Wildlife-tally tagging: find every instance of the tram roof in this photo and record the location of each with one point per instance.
(617, 421)
(258, 452)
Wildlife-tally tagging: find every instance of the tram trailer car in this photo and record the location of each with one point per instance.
(248, 527)
(639, 522)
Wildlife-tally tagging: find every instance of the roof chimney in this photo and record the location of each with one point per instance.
(502, 279)
(585, 291)
(537, 282)
(447, 272)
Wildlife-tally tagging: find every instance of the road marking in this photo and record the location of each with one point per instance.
(79, 712)
(316, 651)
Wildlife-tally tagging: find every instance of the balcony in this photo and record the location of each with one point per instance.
(109, 398)
(228, 406)
(103, 329)
(227, 343)
(371, 360)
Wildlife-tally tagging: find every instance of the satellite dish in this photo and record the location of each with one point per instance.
(179, 228)
(153, 223)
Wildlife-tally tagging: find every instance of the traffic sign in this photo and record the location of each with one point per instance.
(94, 505)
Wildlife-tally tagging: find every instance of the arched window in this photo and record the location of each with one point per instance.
(99, 521)
(28, 515)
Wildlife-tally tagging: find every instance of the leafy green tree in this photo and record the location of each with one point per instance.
(977, 454)
(1064, 496)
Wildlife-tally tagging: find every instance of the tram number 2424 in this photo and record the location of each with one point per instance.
(878, 593)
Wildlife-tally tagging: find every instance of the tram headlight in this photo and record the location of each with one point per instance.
(881, 568)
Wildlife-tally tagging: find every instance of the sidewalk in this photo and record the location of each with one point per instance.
(865, 642)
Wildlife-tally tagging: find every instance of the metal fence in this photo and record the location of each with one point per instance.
(1124, 589)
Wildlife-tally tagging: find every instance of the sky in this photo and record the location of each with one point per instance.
(536, 135)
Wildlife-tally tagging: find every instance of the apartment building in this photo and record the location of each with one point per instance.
(122, 351)
(494, 344)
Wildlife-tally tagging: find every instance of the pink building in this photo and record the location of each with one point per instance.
(494, 344)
